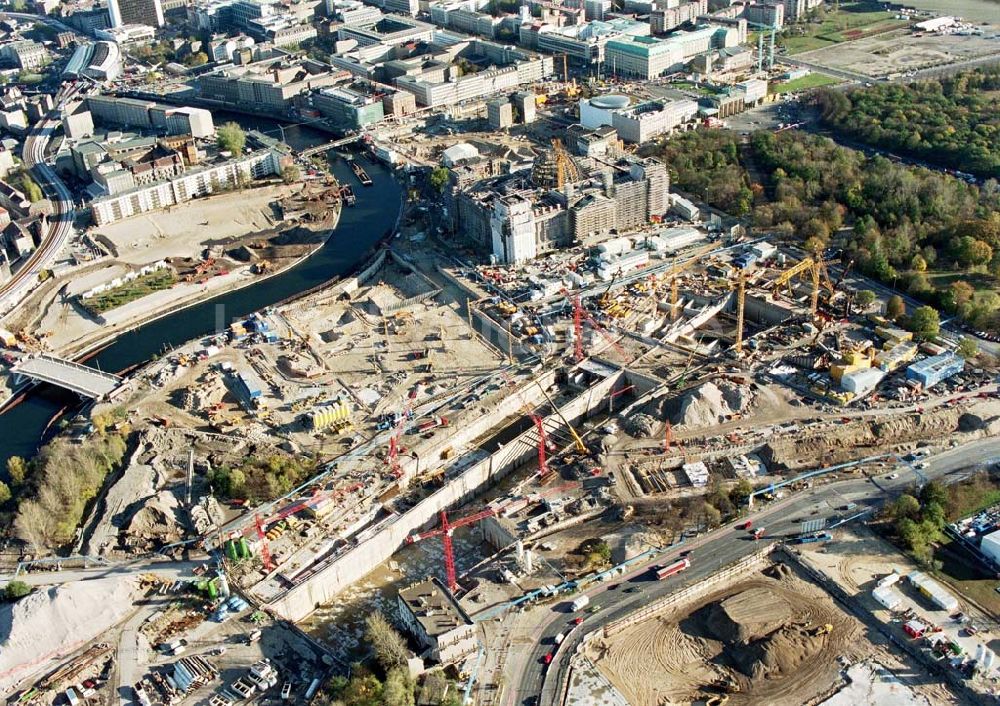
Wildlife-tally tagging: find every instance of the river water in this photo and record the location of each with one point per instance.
(359, 229)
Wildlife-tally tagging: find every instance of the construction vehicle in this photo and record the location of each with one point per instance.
(717, 700)
(822, 630)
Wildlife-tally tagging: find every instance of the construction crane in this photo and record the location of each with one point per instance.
(393, 458)
(740, 302)
(265, 550)
(447, 529)
(543, 467)
(668, 436)
(579, 314)
(760, 45)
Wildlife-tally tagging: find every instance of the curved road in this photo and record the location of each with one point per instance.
(532, 682)
(60, 222)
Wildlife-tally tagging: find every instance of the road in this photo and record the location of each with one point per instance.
(526, 669)
(60, 222)
(172, 570)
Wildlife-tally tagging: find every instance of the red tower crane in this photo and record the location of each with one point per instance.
(543, 467)
(448, 528)
(265, 551)
(393, 458)
(579, 314)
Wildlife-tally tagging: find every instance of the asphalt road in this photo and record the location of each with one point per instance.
(708, 554)
(173, 570)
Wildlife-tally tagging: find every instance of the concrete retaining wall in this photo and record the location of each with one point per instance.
(744, 565)
(299, 602)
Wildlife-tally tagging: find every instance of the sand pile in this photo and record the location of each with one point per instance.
(703, 406)
(52, 623)
(780, 653)
(748, 615)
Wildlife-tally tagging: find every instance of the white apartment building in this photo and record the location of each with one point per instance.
(192, 184)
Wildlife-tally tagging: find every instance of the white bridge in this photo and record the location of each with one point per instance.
(81, 379)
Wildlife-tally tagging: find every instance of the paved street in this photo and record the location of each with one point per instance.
(710, 552)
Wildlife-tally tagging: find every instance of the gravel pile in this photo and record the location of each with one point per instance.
(52, 623)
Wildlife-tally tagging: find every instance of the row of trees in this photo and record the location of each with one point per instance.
(918, 520)
(261, 478)
(954, 122)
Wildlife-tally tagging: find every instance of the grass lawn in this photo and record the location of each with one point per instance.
(804, 83)
(693, 87)
(852, 22)
(967, 578)
(130, 291)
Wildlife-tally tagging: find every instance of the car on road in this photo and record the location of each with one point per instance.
(547, 659)
(594, 609)
(632, 589)
(892, 476)
(577, 621)
(614, 587)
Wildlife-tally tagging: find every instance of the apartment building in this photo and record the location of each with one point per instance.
(437, 621)
(130, 112)
(192, 184)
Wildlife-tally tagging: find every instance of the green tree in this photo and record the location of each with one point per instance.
(711, 514)
(230, 137)
(16, 589)
(4, 492)
(398, 690)
(925, 322)
(440, 178)
(865, 299)
(968, 347)
(290, 174)
(894, 307)
(31, 190)
(740, 493)
(197, 59)
(18, 5)
(918, 263)
(17, 469)
(906, 507)
(933, 492)
(364, 689)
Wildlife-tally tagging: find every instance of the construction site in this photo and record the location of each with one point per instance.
(525, 434)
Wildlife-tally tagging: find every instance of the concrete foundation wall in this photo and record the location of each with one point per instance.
(297, 603)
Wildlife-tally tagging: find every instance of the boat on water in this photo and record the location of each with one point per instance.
(361, 174)
(347, 195)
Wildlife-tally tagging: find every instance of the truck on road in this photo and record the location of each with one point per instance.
(578, 603)
(671, 569)
(758, 533)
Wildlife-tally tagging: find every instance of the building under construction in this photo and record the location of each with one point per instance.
(518, 217)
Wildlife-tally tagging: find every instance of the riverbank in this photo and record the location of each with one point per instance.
(359, 231)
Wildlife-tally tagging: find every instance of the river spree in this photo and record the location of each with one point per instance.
(360, 228)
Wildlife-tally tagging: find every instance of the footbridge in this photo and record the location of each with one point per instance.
(310, 151)
(81, 379)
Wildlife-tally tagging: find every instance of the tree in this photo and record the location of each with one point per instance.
(865, 299)
(364, 689)
(389, 647)
(906, 507)
(740, 493)
(968, 347)
(16, 589)
(439, 179)
(959, 293)
(197, 59)
(230, 137)
(894, 307)
(398, 689)
(31, 190)
(933, 492)
(713, 518)
(4, 492)
(918, 263)
(17, 469)
(290, 174)
(925, 322)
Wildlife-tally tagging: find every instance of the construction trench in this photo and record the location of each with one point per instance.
(339, 572)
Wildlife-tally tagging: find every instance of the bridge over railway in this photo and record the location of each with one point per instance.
(81, 379)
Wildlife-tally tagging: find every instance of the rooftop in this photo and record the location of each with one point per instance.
(435, 608)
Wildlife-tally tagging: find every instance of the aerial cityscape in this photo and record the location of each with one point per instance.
(499, 352)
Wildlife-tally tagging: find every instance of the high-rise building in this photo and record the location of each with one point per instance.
(135, 12)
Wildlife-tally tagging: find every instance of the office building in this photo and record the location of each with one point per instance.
(349, 108)
(25, 54)
(499, 114)
(437, 621)
(930, 371)
(170, 120)
(135, 12)
(642, 122)
(767, 14)
(526, 105)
